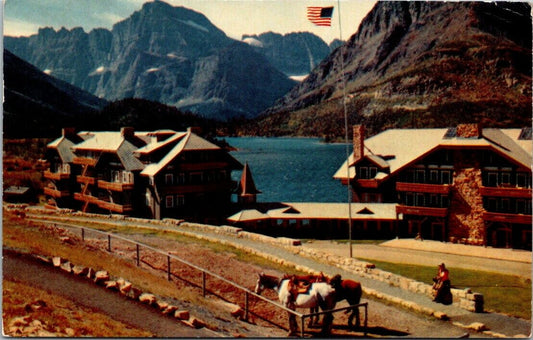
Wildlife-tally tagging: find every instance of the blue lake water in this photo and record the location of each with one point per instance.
(292, 169)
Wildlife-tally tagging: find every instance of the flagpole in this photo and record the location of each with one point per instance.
(345, 132)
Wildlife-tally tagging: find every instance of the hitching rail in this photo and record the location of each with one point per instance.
(247, 292)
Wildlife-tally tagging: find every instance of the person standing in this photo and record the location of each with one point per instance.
(441, 286)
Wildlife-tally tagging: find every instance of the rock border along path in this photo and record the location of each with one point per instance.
(286, 251)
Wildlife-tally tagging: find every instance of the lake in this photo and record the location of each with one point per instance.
(292, 169)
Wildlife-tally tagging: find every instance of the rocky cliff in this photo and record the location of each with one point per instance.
(417, 64)
(294, 53)
(168, 54)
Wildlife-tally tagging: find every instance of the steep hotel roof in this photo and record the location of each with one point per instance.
(400, 147)
(112, 142)
(190, 141)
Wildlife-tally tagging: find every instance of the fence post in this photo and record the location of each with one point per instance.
(109, 242)
(366, 318)
(302, 326)
(138, 257)
(168, 268)
(203, 284)
(246, 304)
(83, 234)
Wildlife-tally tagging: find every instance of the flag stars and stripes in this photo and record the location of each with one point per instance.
(320, 16)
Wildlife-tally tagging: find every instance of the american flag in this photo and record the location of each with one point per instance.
(320, 16)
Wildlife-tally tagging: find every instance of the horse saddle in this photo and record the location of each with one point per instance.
(298, 287)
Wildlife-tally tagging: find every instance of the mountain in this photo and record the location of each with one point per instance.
(39, 105)
(162, 53)
(417, 64)
(36, 104)
(294, 54)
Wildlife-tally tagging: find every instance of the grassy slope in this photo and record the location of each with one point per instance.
(502, 293)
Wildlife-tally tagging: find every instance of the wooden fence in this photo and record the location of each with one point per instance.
(205, 274)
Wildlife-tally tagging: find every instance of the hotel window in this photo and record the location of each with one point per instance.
(169, 201)
(521, 180)
(420, 176)
(420, 200)
(363, 172)
(434, 200)
(127, 177)
(180, 200)
(169, 178)
(506, 177)
(373, 172)
(492, 179)
(116, 176)
(523, 206)
(505, 205)
(409, 198)
(434, 176)
(492, 204)
(409, 176)
(446, 177)
(181, 178)
(196, 177)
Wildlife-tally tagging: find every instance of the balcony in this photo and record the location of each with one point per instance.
(85, 179)
(56, 193)
(506, 192)
(199, 188)
(442, 189)
(202, 166)
(115, 186)
(367, 183)
(56, 175)
(85, 198)
(507, 218)
(85, 161)
(421, 211)
(118, 208)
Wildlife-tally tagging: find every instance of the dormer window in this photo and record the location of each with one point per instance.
(367, 172)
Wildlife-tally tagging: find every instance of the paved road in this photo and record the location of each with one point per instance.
(397, 251)
(26, 269)
(502, 324)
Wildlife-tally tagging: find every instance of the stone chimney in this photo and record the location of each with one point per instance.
(127, 132)
(473, 130)
(195, 129)
(68, 132)
(358, 142)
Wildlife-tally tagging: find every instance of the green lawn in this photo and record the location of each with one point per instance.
(502, 293)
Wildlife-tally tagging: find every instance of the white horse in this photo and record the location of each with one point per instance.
(320, 294)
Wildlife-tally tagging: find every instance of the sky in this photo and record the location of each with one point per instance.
(234, 17)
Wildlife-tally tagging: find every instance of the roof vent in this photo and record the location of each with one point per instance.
(450, 133)
(525, 134)
(291, 210)
(365, 211)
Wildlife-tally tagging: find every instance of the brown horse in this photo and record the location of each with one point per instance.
(351, 291)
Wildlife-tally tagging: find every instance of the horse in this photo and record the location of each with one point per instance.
(351, 291)
(348, 290)
(319, 294)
